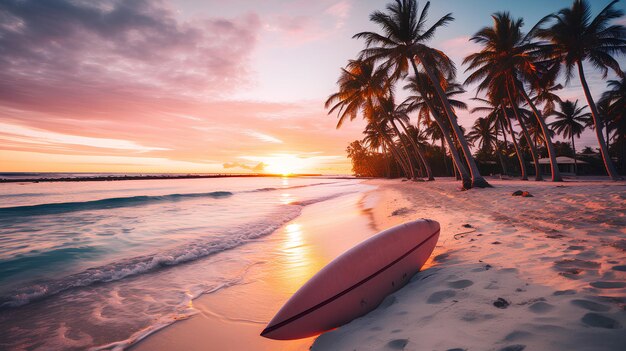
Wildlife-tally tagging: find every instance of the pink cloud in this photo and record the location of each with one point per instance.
(64, 53)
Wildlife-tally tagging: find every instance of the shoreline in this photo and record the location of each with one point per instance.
(155, 177)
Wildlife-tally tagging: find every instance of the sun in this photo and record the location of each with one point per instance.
(284, 164)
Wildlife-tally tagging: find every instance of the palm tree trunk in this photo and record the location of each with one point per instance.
(445, 157)
(386, 160)
(418, 152)
(392, 148)
(405, 150)
(533, 151)
(498, 151)
(465, 176)
(604, 150)
(575, 161)
(505, 139)
(554, 166)
(518, 152)
(477, 179)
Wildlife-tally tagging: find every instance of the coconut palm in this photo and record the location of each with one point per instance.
(375, 141)
(360, 85)
(570, 122)
(508, 58)
(483, 133)
(576, 37)
(403, 45)
(422, 99)
(393, 114)
(615, 100)
(399, 113)
(498, 103)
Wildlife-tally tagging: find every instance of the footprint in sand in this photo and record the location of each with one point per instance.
(439, 296)
(397, 344)
(608, 285)
(619, 268)
(476, 317)
(461, 284)
(600, 321)
(516, 335)
(541, 307)
(576, 248)
(590, 305)
(441, 257)
(388, 301)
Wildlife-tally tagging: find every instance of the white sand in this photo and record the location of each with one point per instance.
(558, 259)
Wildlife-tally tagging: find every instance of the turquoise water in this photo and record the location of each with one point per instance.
(84, 264)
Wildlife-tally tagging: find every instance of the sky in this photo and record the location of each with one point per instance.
(202, 85)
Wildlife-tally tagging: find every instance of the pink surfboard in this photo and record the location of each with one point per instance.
(356, 282)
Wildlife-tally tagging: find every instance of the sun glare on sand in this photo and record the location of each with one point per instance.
(284, 164)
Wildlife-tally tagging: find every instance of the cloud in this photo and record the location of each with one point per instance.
(340, 11)
(17, 133)
(264, 137)
(69, 52)
(260, 167)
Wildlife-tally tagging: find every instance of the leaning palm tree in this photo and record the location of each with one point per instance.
(403, 45)
(498, 107)
(360, 85)
(392, 114)
(507, 57)
(615, 99)
(375, 142)
(398, 114)
(422, 100)
(576, 37)
(570, 122)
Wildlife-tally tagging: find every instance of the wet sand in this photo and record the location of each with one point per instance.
(233, 318)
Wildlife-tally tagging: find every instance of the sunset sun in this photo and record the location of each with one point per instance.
(284, 164)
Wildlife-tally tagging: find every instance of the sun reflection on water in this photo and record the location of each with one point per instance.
(286, 199)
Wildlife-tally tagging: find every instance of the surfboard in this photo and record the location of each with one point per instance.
(356, 282)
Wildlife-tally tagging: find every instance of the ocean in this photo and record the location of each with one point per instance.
(102, 264)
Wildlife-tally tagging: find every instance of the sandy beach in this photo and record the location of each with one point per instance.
(507, 274)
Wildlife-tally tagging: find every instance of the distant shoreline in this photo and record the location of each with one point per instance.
(147, 177)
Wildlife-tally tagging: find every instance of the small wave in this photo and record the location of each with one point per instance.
(142, 264)
(115, 202)
(291, 187)
(229, 239)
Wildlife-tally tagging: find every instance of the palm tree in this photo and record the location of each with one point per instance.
(615, 100)
(375, 141)
(360, 85)
(483, 133)
(497, 105)
(422, 100)
(570, 122)
(403, 43)
(399, 113)
(574, 38)
(507, 59)
(390, 112)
